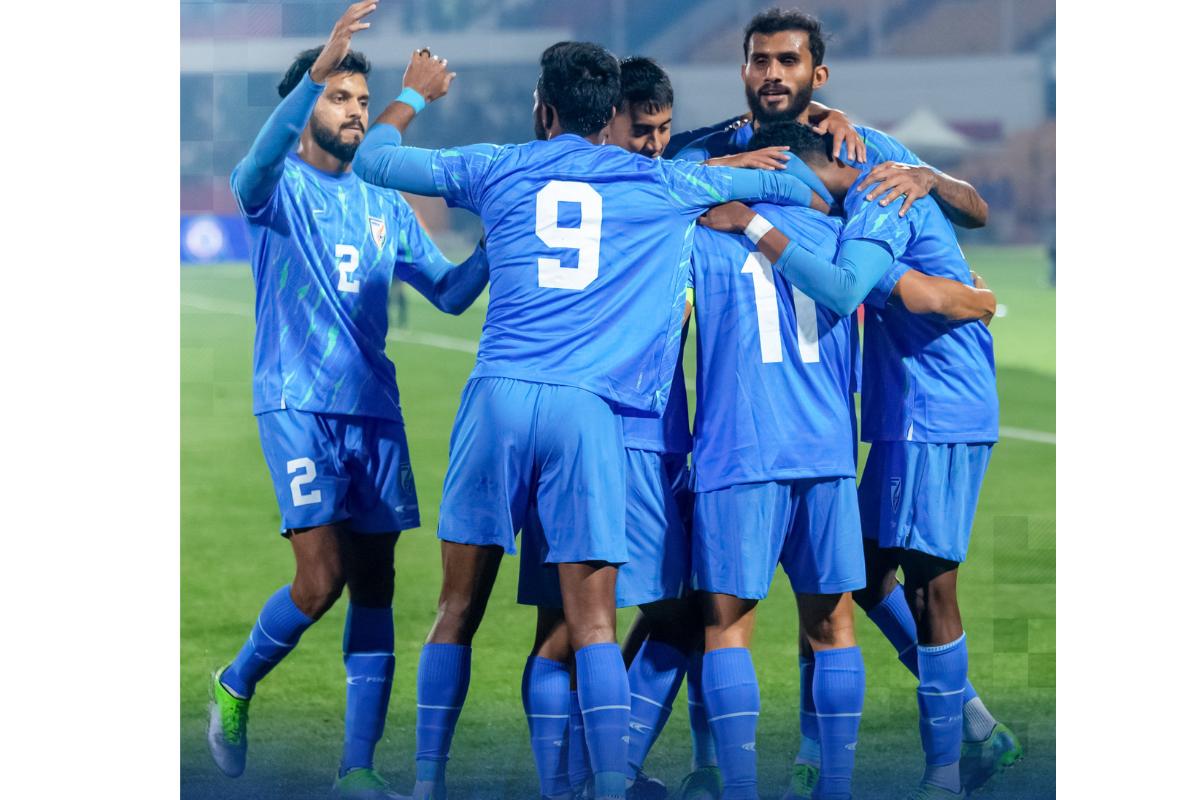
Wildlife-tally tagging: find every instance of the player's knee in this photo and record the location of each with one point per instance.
(456, 622)
(316, 594)
(587, 632)
(372, 590)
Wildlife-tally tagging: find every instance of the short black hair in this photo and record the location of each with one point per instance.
(583, 82)
(775, 20)
(644, 82)
(354, 62)
(812, 148)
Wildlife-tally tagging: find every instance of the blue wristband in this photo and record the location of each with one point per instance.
(413, 98)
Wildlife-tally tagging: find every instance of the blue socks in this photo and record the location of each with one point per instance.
(704, 747)
(943, 672)
(604, 702)
(368, 647)
(731, 697)
(579, 767)
(443, 675)
(546, 694)
(894, 618)
(277, 631)
(654, 678)
(839, 687)
(810, 731)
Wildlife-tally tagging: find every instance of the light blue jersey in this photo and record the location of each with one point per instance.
(325, 248)
(669, 433)
(924, 379)
(729, 140)
(773, 398)
(589, 247)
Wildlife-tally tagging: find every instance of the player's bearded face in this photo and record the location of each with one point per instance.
(339, 120)
(779, 76)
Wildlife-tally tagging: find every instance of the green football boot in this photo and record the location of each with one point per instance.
(981, 760)
(364, 784)
(702, 784)
(803, 782)
(227, 716)
(927, 791)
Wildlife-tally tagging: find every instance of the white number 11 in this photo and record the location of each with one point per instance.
(766, 305)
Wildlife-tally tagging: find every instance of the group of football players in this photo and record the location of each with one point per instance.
(605, 240)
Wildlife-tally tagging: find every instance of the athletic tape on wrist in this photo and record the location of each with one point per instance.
(757, 228)
(413, 98)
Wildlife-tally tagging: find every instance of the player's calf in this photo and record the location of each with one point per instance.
(838, 687)
(589, 606)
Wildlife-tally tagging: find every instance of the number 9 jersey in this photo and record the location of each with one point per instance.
(773, 385)
(588, 248)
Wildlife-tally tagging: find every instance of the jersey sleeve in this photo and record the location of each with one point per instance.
(883, 225)
(693, 188)
(451, 288)
(879, 294)
(460, 173)
(257, 175)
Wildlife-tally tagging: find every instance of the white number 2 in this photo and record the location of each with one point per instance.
(586, 238)
(347, 256)
(770, 341)
(308, 473)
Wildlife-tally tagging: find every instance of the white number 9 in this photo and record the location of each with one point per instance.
(586, 238)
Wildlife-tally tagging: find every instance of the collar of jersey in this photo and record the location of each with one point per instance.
(566, 138)
(321, 174)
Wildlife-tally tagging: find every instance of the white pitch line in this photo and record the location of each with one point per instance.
(469, 346)
(1024, 434)
(455, 343)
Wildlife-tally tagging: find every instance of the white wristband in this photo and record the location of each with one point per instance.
(757, 228)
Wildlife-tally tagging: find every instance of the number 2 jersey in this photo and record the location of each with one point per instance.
(773, 387)
(324, 251)
(589, 248)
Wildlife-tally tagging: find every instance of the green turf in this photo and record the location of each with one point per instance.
(231, 559)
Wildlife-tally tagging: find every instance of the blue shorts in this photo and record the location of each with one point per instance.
(656, 512)
(921, 496)
(810, 526)
(520, 448)
(331, 468)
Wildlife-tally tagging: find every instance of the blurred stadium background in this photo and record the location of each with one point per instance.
(967, 84)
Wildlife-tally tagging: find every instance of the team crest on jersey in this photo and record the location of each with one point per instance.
(378, 230)
(895, 495)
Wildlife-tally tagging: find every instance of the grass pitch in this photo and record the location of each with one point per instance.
(232, 559)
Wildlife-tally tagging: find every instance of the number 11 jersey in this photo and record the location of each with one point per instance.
(589, 248)
(773, 398)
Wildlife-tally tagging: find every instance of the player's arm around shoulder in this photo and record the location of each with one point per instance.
(952, 300)
(901, 174)
(949, 299)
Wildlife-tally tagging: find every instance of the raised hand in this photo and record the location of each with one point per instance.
(891, 179)
(774, 157)
(427, 74)
(338, 44)
(727, 217)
